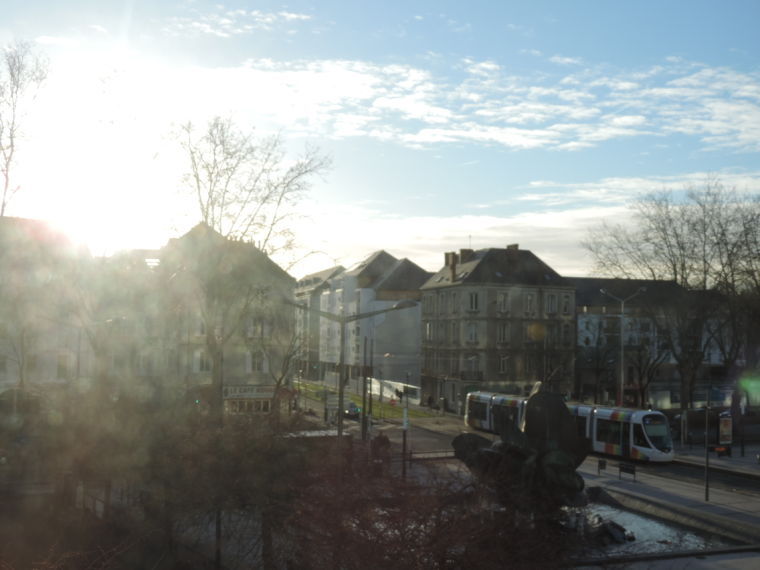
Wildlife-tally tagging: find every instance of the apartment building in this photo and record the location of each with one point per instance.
(495, 318)
(388, 340)
(643, 361)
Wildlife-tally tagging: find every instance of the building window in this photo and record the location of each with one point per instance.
(454, 302)
(429, 331)
(472, 332)
(551, 303)
(503, 364)
(256, 361)
(566, 305)
(530, 303)
(63, 371)
(442, 330)
(502, 332)
(455, 332)
(442, 303)
(427, 304)
(201, 330)
(530, 366)
(201, 361)
(503, 302)
(474, 298)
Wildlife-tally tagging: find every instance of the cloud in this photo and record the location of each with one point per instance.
(224, 23)
(553, 226)
(560, 60)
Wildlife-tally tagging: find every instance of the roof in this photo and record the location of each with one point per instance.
(202, 241)
(313, 280)
(404, 276)
(509, 266)
(27, 232)
(588, 291)
(372, 269)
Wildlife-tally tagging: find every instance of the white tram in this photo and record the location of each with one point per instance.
(624, 432)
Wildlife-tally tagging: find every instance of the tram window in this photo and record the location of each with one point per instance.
(638, 436)
(580, 424)
(477, 410)
(503, 416)
(607, 431)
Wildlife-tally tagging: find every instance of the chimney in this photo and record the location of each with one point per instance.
(451, 259)
(513, 246)
(466, 255)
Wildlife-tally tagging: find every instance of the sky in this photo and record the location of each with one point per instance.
(449, 124)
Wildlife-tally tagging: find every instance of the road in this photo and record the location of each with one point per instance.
(430, 439)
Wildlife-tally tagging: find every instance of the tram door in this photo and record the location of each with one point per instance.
(626, 438)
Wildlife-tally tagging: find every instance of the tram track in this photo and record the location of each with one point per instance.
(719, 477)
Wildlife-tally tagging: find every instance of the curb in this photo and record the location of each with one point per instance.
(684, 516)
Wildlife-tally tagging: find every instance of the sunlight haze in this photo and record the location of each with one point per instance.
(449, 124)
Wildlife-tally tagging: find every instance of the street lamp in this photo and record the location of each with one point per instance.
(343, 320)
(622, 345)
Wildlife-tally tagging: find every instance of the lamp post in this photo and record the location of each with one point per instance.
(622, 343)
(342, 321)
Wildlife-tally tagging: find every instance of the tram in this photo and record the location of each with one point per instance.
(632, 434)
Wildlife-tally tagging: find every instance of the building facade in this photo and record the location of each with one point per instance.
(385, 345)
(498, 319)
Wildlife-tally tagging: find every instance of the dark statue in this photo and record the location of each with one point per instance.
(537, 464)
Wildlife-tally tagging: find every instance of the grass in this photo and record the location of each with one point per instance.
(380, 410)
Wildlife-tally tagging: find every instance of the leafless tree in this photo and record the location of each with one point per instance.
(21, 74)
(702, 241)
(246, 187)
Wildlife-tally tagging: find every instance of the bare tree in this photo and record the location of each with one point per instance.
(21, 74)
(700, 241)
(247, 187)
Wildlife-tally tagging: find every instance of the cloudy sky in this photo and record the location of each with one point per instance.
(450, 124)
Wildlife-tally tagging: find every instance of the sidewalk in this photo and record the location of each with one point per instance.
(749, 464)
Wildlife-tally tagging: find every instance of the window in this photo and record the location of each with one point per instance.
(566, 334)
(503, 364)
(64, 369)
(566, 305)
(256, 362)
(145, 365)
(474, 298)
(472, 332)
(551, 303)
(454, 302)
(442, 303)
(442, 330)
(428, 331)
(455, 332)
(502, 301)
(502, 332)
(201, 361)
(608, 431)
(201, 330)
(530, 303)
(530, 366)
(477, 410)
